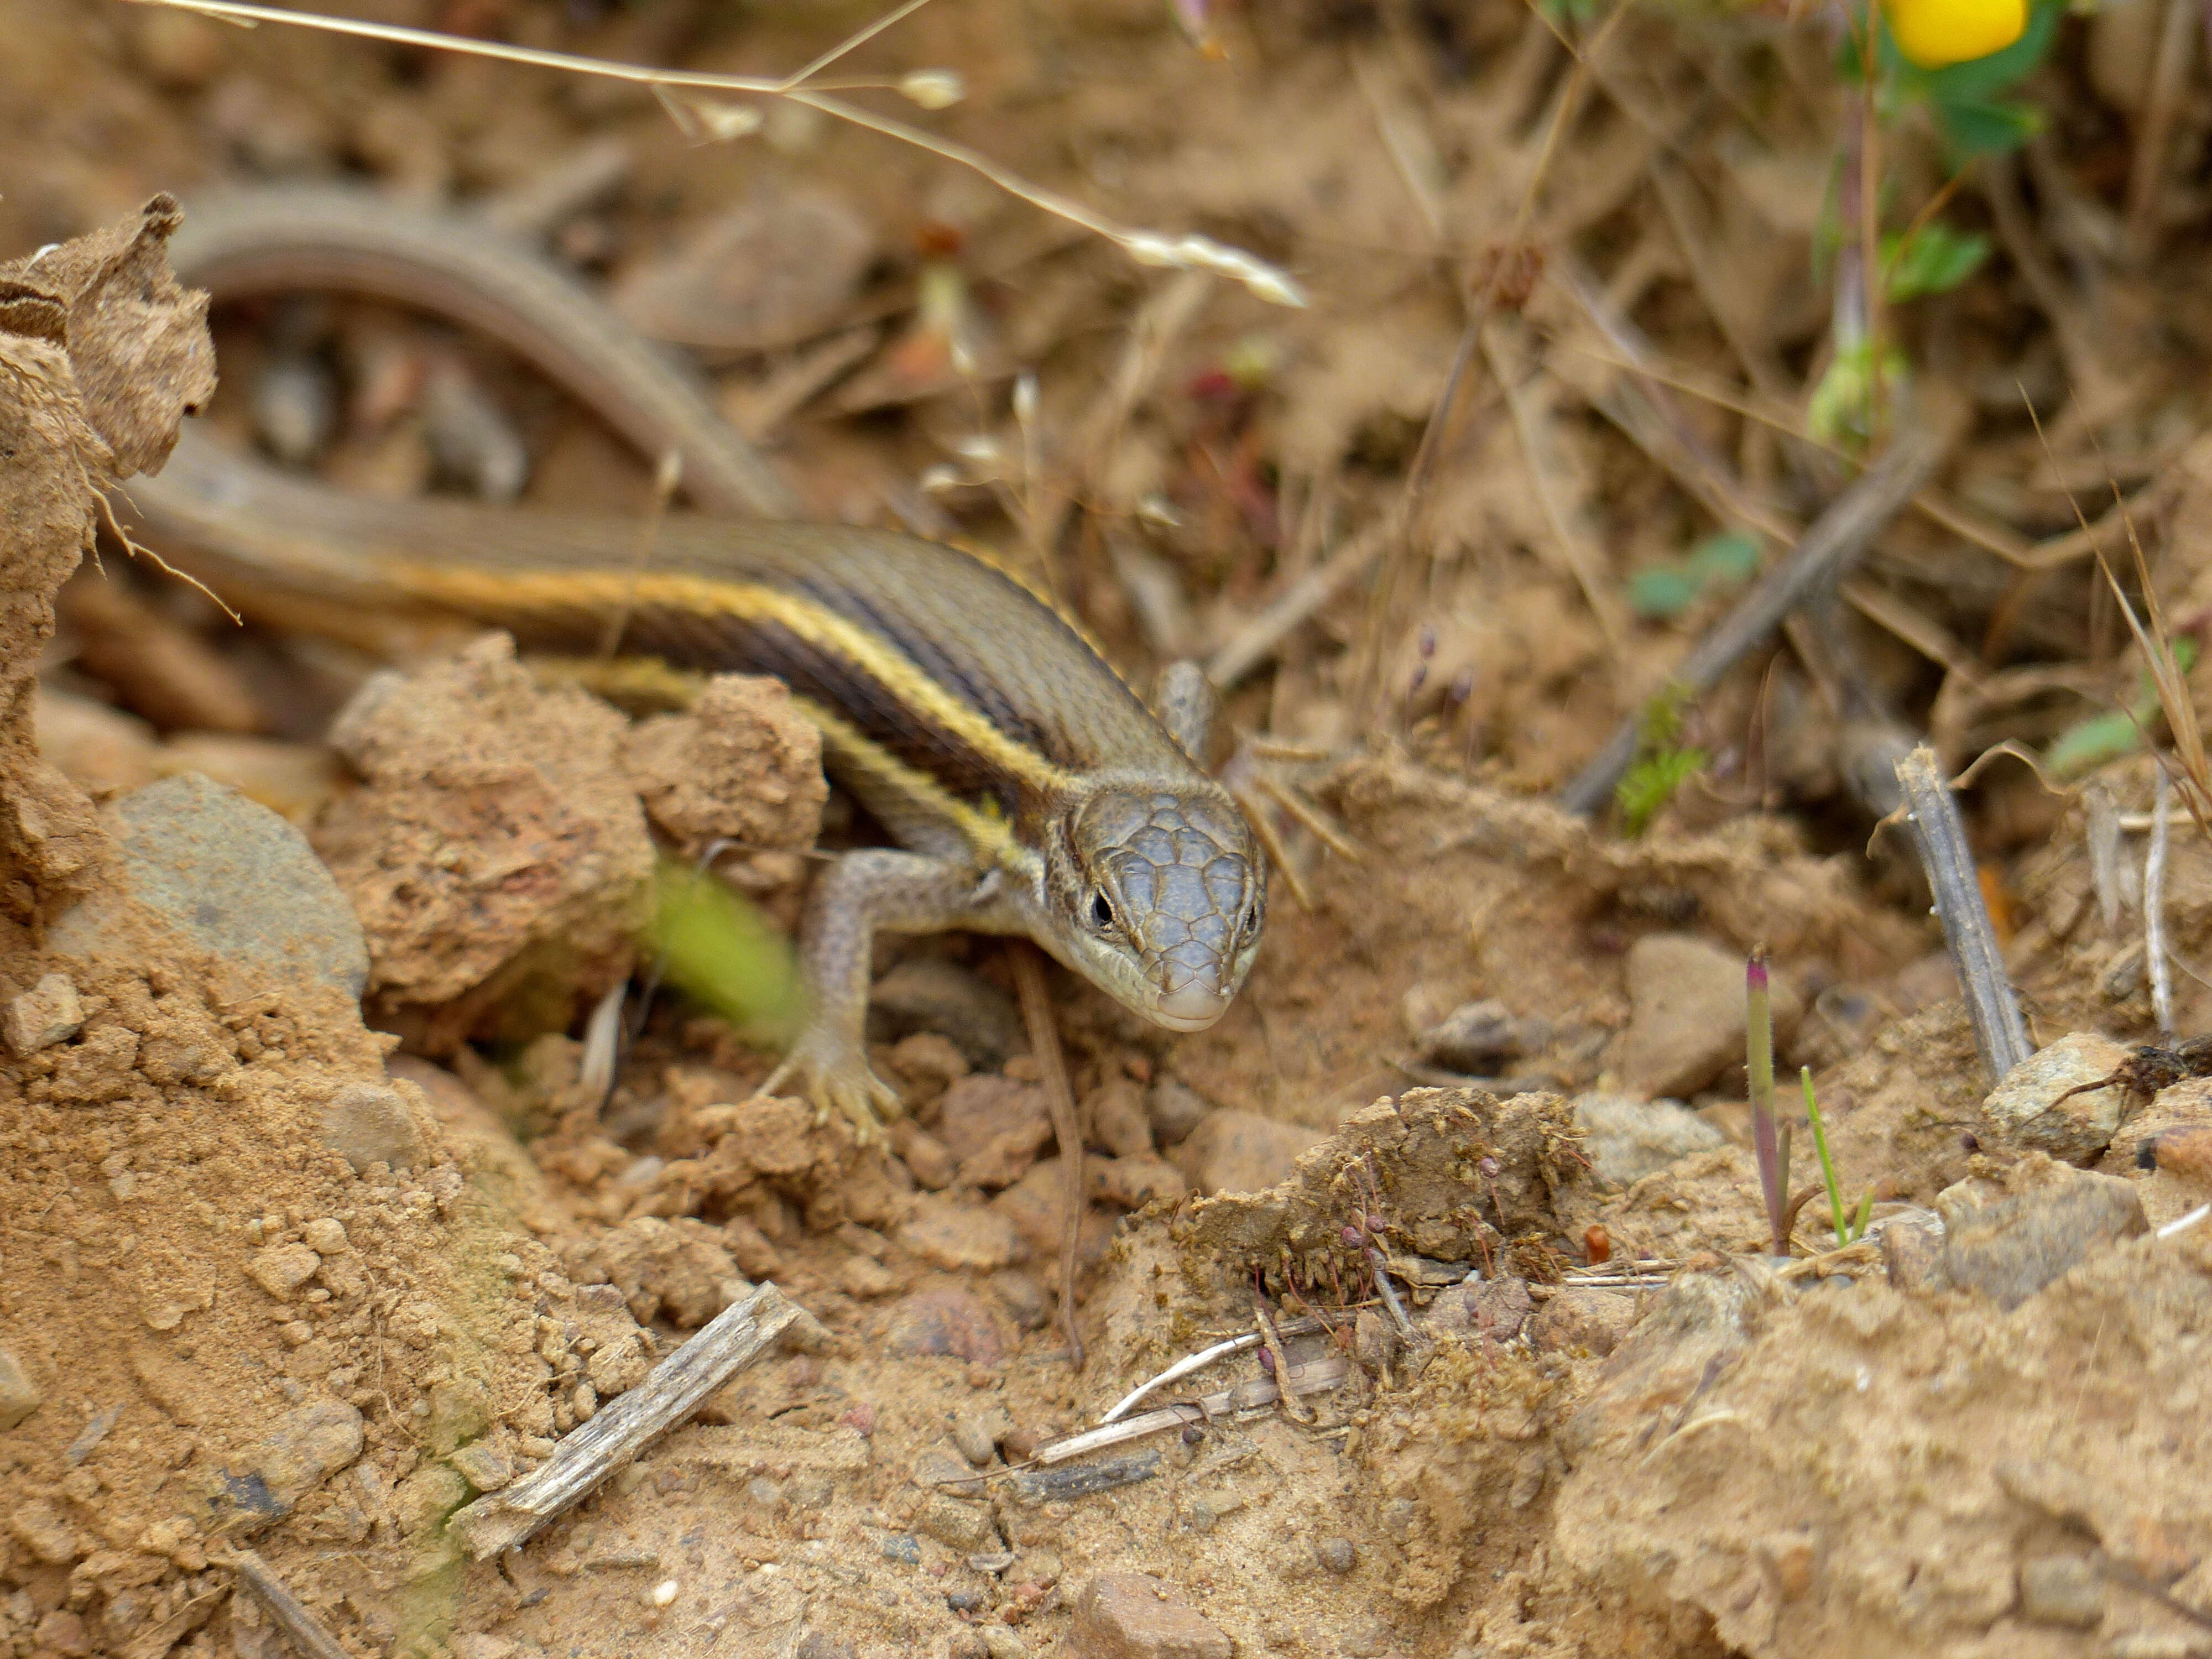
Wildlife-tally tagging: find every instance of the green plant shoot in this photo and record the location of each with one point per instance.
(1662, 764)
(1848, 1229)
(723, 952)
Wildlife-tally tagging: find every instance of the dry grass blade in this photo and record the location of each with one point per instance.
(1558, 489)
(2155, 641)
(1148, 247)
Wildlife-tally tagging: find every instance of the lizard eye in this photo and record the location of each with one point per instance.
(1102, 913)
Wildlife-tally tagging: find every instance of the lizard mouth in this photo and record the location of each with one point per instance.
(1191, 1007)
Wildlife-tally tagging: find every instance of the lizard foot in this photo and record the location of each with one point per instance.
(835, 1076)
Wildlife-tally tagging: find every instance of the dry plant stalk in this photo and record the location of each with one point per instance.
(672, 1391)
(1940, 840)
(1288, 1384)
(301, 1628)
(1831, 547)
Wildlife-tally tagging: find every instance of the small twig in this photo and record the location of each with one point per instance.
(1052, 1068)
(672, 1391)
(2183, 1224)
(1262, 1392)
(2161, 977)
(1273, 1340)
(1940, 840)
(301, 1628)
(1205, 1356)
(1829, 547)
(1563, 507)
(1390, 1295)
(2169, 78)
(1258, 638)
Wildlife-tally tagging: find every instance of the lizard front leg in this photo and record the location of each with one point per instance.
(879, 888)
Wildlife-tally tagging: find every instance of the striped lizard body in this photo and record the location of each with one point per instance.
(1032, 790)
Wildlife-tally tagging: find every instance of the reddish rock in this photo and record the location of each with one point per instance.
(994, 1127)
(945, 1324)
(961, 1237)
(1033, 1206)
(1132, 1615)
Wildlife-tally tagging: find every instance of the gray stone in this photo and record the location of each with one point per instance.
(1476, 1038)
(1627, 1139)
(49, 1012)
(232, 877)
(1497, 1309)
(366, 1123)
(1686, 1023)
(1912, 1244)
(2009, 1244)
(1336, 1555)
(2061, 1589)
(929, 993)
(19, 1395)
(2026, 1106)
(307, 1447)
(1175, 1109)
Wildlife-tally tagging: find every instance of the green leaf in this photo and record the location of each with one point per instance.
(1662, 592)
(1933, 259)
(2084, 748)
(1971, 129)
(1727, 558)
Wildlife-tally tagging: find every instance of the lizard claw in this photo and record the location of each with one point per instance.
(837, 1078)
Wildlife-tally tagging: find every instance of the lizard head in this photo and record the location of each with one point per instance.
(1163, 894)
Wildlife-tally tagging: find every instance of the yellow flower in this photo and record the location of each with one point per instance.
(1933, 33)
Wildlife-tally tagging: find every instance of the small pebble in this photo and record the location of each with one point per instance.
(662, 1593)
(977, 1434)
(49, 1012)
(966, 1601)
(19, 1395)
(1336, 1555)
